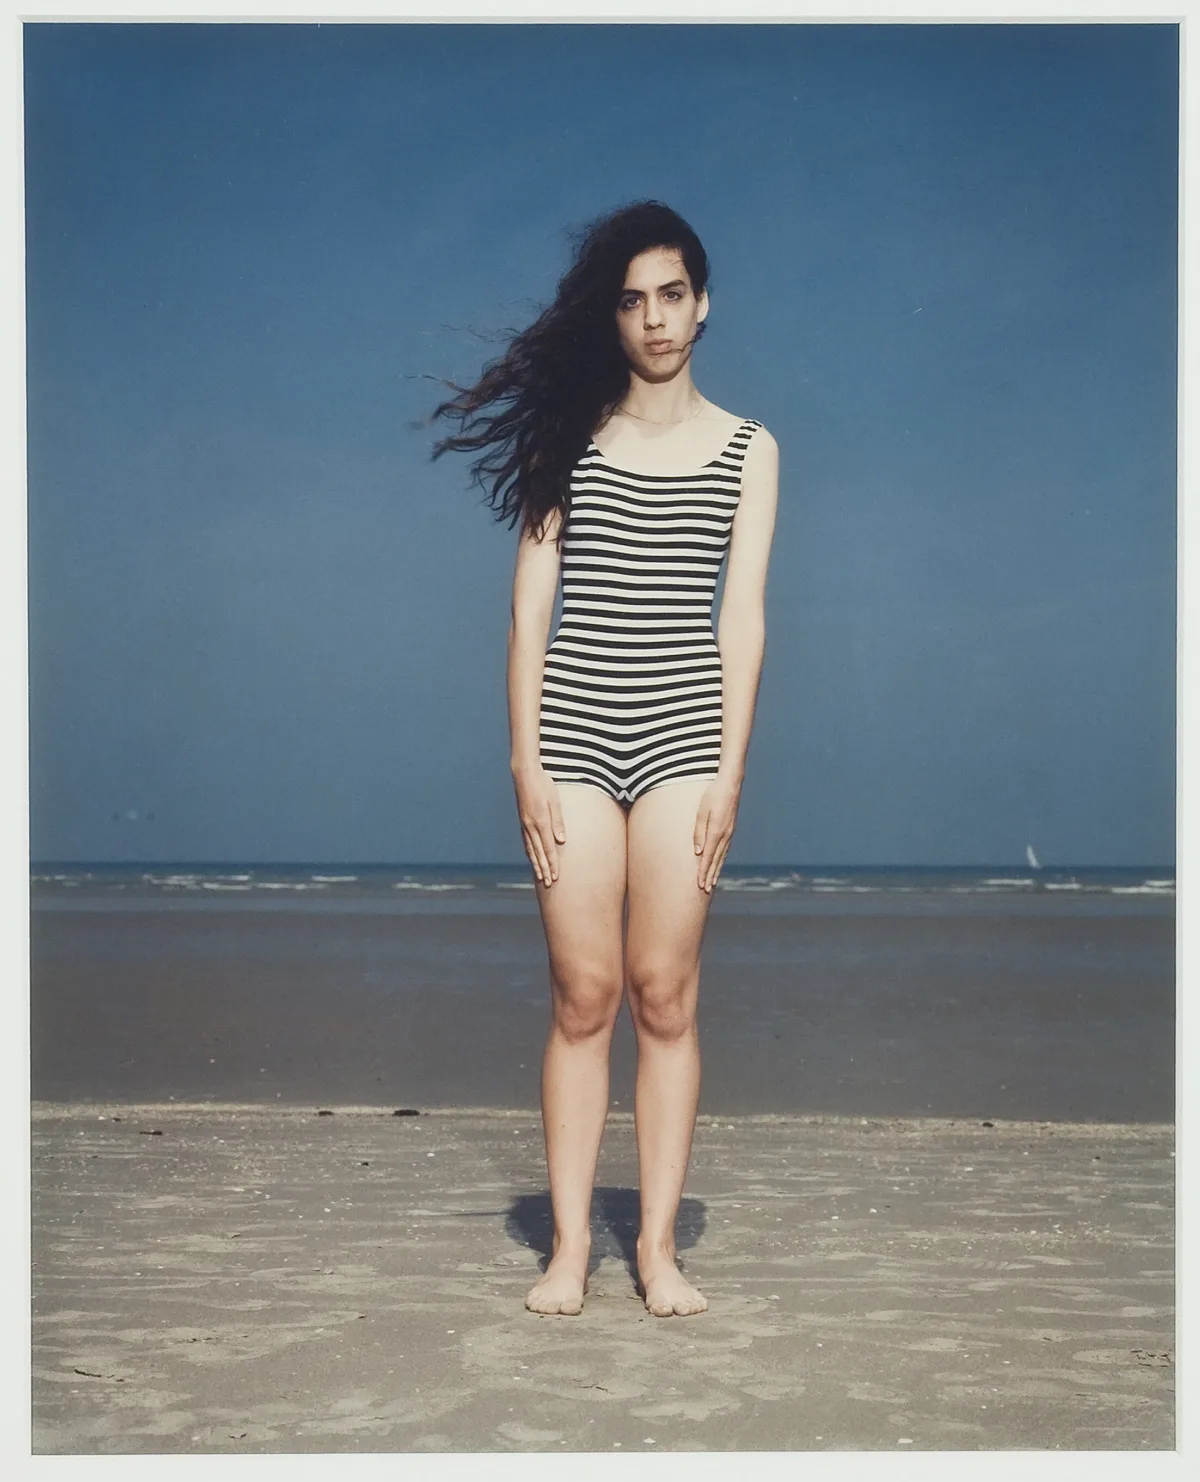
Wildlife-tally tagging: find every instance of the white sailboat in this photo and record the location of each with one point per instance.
(1031, 857)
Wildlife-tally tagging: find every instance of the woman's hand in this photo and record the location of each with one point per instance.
(542, 828)
(715, 821)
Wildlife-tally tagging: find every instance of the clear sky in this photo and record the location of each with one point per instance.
(264, 626)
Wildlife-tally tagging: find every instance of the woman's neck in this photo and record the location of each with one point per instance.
(663, 402)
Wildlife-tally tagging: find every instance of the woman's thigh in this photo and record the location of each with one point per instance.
(668, 908)
(582, 909)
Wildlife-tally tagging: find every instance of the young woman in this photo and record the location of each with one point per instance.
(630, 731)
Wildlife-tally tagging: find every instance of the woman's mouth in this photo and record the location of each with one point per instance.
(656, 347)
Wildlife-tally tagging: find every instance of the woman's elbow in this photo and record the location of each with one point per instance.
(528, 625)
(745, 622)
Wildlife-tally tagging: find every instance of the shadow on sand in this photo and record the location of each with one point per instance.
(615, 1221)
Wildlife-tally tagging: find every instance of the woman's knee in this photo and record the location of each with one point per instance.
(586, 1002)
(662, 1000)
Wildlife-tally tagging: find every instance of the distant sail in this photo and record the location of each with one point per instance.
(1031, 857)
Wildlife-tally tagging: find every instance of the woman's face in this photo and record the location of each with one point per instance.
(657, 313)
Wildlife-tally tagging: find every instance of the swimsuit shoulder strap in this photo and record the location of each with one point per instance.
(734, 451)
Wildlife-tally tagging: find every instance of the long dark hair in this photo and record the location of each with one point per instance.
(532, 411)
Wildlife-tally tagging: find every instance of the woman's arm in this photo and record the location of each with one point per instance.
(741, 639)
(535, 582)
(741, 628)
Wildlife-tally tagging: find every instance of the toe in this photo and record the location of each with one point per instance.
(549, 1304)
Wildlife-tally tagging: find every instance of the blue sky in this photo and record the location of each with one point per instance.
(943, 275)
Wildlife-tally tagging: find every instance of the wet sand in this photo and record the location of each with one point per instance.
(256, 1279)
(1028, 1009)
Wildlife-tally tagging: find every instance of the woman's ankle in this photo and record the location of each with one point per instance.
(652, 1247)
(578, 1242)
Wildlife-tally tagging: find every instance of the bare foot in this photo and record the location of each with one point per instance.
(561, 1286)
(666, 1290)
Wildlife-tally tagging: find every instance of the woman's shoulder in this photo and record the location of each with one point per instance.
(760, 455)
(760, 442)
(749, 434)
(733, 422)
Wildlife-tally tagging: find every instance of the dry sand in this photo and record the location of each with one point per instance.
(224, 1279)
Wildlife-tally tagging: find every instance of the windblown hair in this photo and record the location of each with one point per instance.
(533, 410)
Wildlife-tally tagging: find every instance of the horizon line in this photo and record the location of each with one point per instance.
(1023, 865)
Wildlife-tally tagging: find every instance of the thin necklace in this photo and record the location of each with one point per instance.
(625, 412)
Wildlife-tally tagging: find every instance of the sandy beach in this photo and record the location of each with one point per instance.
(225, 1279)
(930, 1199)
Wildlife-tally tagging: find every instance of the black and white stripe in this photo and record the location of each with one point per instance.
(631, 694)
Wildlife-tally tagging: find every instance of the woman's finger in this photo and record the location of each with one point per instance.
(718, 861)
(533, 847)
(532, 851)
(549, 846)
(556, 818)
(548, 871)
(706, 859)
(720, 849)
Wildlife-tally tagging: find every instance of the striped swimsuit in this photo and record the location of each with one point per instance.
(631, 693)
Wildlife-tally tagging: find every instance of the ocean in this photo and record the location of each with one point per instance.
(345, 887)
